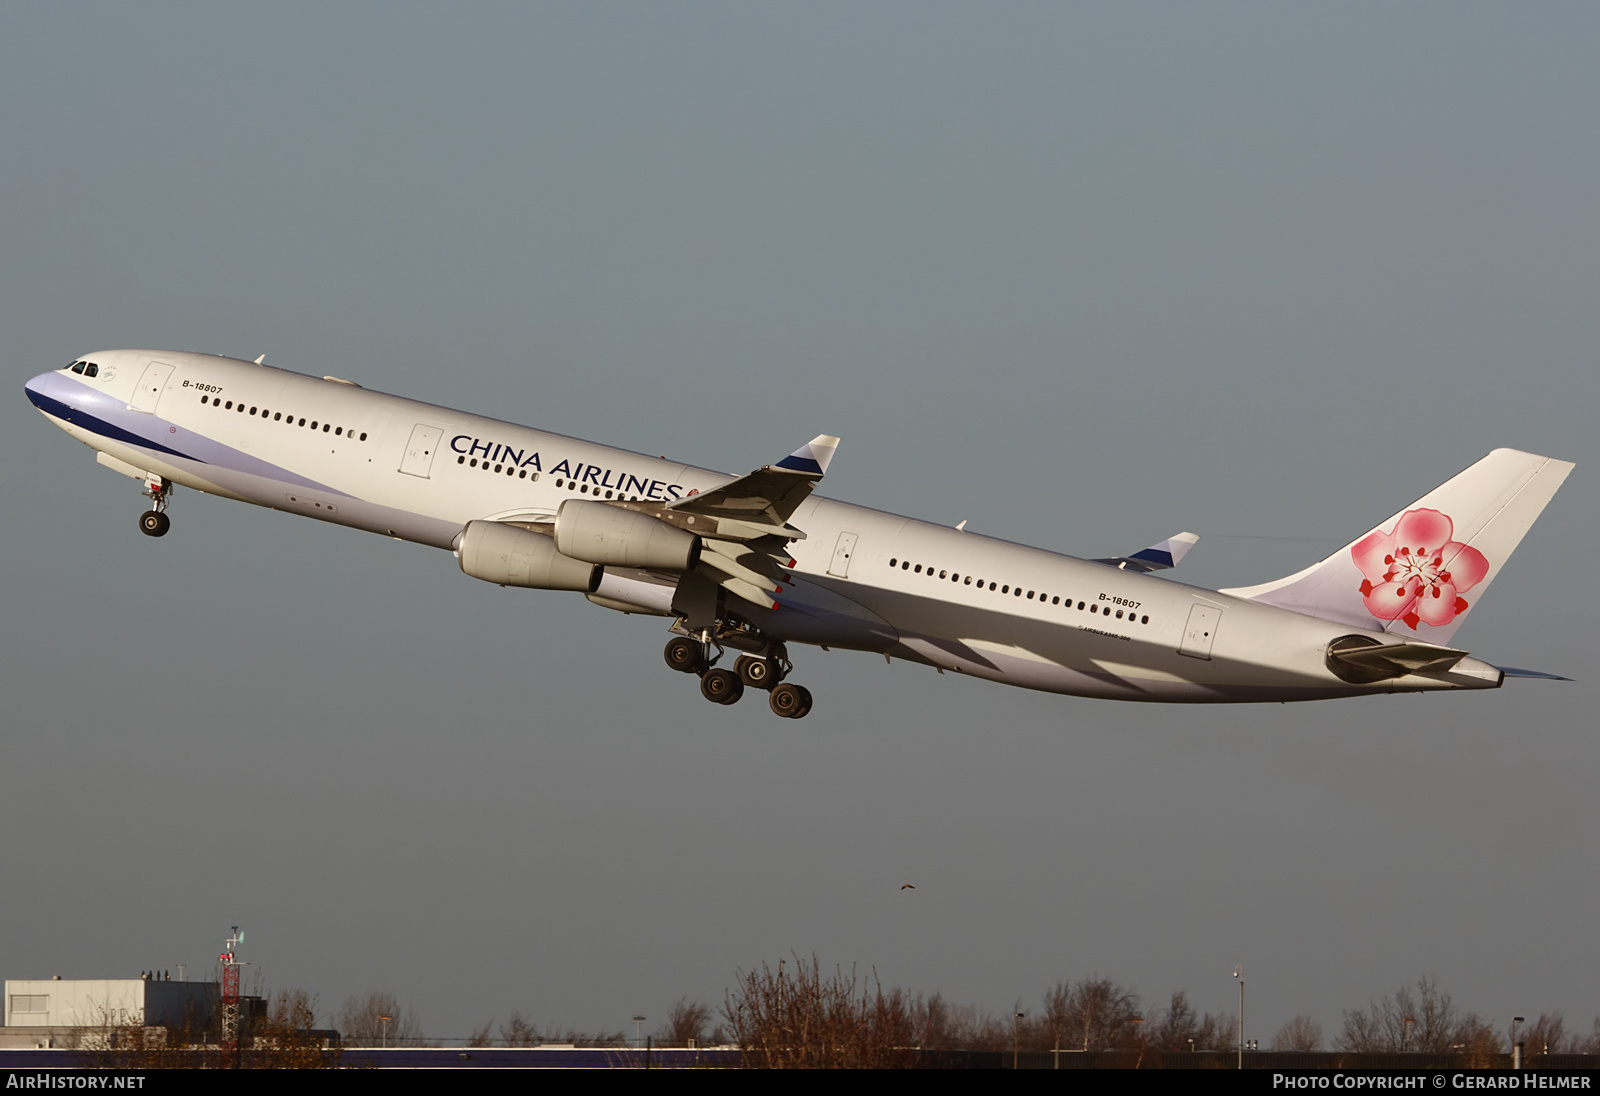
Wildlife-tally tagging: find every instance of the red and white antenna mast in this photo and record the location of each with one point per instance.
(230, 992)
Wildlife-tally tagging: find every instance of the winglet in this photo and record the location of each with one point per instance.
(1158, 557)
(811, 458)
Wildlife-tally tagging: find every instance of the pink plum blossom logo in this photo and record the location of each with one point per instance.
(1418, 573)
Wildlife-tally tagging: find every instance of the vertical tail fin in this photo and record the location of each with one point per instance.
(1419, 573)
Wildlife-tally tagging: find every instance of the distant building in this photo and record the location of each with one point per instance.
(56, 1012)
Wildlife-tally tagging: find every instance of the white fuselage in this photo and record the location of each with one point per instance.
(861, 578)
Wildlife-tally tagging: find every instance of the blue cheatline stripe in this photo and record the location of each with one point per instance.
(800, 464)
(71, 414)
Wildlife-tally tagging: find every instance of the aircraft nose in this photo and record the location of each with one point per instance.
(35, 387)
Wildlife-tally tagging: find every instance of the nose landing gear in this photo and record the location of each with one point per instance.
(154, 522)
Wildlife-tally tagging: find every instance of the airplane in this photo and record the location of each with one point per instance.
(756, 563)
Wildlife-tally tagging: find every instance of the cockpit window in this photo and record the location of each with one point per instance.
(87, 369)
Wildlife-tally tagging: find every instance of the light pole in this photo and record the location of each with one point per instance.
(1016, 1022)
(386, 1020)
(1516, 1051)
(1238, 972)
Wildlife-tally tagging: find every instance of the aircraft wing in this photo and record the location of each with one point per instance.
(1160, 556)
(764, 500)
(744, 529)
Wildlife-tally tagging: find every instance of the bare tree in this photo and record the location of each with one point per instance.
(1548, 1035)
(1426, 1020)
(1095, 1014)
(292, 1008)
(795, 1018)
(517, 1032)
(943, 1026)
(586, 1038)
(1218, 1031)
(1300, 1033)
(360, 1021)
(685, 1025)
(1479, 1040)
(1177, 1027)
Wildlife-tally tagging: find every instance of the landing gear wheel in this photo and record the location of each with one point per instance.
(153, 523)
(683, 654)
(790, 701)
(721, 686)
(758, 673)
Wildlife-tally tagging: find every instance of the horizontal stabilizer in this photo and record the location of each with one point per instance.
(1160, 556)
(1362, 659)
(1511, 671)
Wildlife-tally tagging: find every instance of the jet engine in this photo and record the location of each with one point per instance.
(613, 537)
(509, 555)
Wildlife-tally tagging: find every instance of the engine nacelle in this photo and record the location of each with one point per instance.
(613, 537)
(509, 555)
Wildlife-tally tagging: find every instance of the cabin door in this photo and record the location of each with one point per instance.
(151, 385)
(840, 567)
(1200, 632)
(420, 449)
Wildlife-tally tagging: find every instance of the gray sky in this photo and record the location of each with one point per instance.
(1082, 275)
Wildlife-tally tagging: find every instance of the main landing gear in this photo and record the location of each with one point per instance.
(691, 655)
(154, 522)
